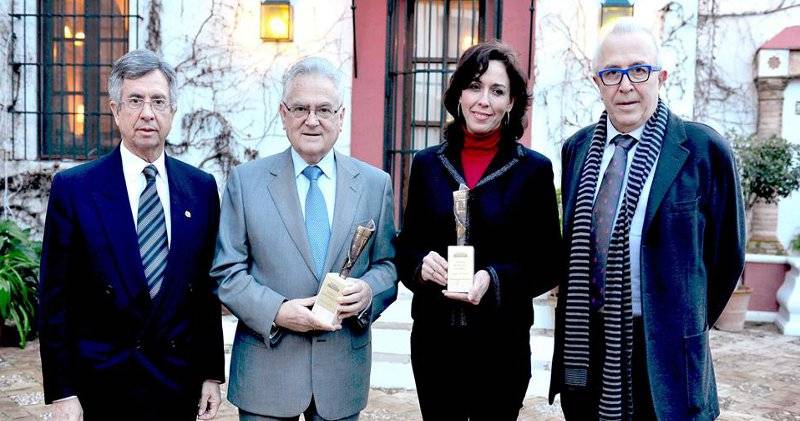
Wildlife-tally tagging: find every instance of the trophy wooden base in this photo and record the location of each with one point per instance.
(460, 268)
(330, 290)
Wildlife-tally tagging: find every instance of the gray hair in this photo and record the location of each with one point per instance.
(313, 66)
(136, 64)
(626, 26)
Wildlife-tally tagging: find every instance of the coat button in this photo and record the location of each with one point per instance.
(139, 345)
(109, 290)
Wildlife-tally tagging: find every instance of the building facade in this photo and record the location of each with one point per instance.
(396, 56)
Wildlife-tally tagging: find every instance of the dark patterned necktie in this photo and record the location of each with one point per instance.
(317, 227)
(152, 230)
(605, 209)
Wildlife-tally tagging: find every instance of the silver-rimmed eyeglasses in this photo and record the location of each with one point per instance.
(302, 111)
(637, 73)
(136, 103)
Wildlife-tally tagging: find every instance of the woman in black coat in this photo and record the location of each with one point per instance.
(470, 352)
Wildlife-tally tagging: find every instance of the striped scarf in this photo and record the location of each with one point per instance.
(616, 398)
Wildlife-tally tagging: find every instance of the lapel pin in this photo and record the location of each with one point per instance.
(187, 214)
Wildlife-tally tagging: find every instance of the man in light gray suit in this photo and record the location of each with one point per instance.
(286, 221)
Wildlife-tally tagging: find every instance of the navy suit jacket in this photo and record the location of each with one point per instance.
(691, 258)
(102, 336)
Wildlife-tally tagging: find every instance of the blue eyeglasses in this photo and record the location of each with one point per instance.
(636, 74)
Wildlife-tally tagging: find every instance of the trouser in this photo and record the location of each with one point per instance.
(461, 375)
(156, 406)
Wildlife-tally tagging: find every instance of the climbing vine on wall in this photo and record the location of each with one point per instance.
(219, 71)
(718, 97)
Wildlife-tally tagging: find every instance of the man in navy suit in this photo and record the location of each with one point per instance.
(653, 223)
(130, 327)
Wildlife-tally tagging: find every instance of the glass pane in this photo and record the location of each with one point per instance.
(87, 37)
(425, 136)
(427, 91)
(430, 28)
(463, 27)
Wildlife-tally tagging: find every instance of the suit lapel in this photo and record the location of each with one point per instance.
(577, 161)
(111, 198)
(283, 189)
(348, 192)
(670, 161)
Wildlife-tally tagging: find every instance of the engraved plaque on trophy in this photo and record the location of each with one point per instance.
(461, 257)
(325, 308)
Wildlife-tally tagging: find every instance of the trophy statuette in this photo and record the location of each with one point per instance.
(461, 257)
(325, 308)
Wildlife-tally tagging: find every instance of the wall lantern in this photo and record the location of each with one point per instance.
(276, 20)
(611, 10)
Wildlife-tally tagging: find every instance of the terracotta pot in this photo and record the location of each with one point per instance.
(763, 228)
(732, 318)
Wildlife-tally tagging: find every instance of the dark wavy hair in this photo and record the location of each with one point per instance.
(471, 66)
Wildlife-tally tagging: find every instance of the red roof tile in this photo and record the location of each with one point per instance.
(788, 39)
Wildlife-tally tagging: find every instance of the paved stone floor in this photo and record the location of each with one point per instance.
(758, 376)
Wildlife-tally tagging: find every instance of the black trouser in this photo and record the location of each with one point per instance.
(122, 410)
(130, 393)
(461, 375)
(582, 404)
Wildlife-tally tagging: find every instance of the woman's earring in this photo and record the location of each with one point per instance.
(458, 110)
(508, 118)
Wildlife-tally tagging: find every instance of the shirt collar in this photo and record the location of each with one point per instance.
(612, 131)
(326, 164)
(133, 166)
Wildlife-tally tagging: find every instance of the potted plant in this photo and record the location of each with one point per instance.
(19, 278)
(769, 170)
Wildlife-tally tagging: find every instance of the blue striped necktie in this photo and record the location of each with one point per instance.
(317, 227)
(152, 230)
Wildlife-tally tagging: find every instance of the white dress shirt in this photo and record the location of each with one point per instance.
(135, 182)
(326, 182)
(637, 223)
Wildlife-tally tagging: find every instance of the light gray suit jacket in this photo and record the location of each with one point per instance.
(263, 258)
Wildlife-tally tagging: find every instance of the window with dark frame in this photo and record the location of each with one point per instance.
(79, 43)
(443, 30)
(426, 39)
(63, 51)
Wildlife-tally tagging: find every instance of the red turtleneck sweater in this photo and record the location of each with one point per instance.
(477, 154)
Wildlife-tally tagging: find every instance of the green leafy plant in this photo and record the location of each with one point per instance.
(19, 277)
(769, 168)
(794, 244)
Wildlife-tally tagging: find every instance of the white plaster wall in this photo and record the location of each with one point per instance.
(789, 208)
(564, 97)
(737, 39)
(21, 49)
(5, 74)
(249, 97)
(247, 93)
(675, 25)
(567, 34)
